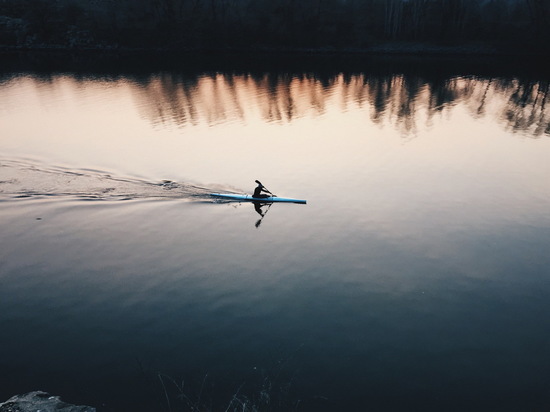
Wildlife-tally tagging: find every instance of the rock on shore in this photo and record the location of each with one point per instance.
(40, 401)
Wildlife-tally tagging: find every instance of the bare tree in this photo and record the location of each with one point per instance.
(540, 16)
(418, 9)
(393, 12)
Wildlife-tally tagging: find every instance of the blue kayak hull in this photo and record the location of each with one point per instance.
(249, 198)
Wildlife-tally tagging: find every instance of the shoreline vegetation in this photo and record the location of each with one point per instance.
(395, 49)
(321, 27)
(102, 56)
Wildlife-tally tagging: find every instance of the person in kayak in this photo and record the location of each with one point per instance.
(259, 189)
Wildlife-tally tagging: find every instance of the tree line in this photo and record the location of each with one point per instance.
(284, 24)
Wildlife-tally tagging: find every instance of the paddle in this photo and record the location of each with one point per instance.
(265, 188)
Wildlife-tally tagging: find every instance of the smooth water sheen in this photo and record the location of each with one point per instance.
(416, 277)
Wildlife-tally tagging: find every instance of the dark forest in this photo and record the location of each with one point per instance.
(500, 25)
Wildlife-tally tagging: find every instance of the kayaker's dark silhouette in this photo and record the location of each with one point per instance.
(259, 189)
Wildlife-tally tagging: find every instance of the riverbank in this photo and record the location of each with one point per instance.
(388, 48)
(396, 57)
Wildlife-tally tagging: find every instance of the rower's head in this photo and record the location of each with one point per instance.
(257, 181)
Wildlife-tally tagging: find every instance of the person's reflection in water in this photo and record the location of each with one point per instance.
(258, 208)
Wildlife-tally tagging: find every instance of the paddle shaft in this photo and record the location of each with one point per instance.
(266, 189)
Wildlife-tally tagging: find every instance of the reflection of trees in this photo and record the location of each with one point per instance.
(399, 100)
(526, 108)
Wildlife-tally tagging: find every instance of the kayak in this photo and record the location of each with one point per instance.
(249, 198)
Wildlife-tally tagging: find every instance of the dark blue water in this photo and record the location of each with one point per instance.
(416, 277)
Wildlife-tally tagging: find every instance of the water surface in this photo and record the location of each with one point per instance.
(415, 278)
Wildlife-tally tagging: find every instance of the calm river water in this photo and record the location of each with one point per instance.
(417, 277)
